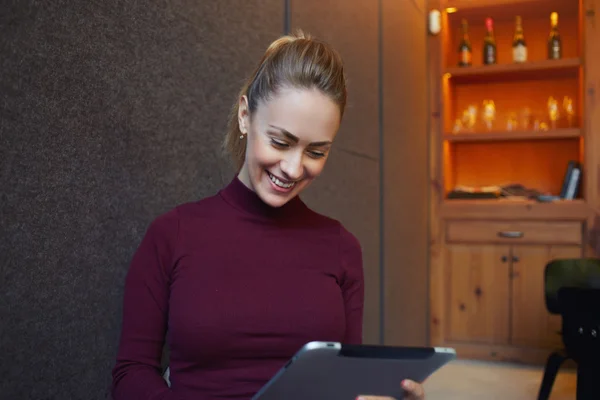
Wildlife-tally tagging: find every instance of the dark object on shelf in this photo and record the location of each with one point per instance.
(519, 44)
(518, 190)
(570, 187)
(543, 198)
(463, 192)
(569, 190)
(572, 289)
(489, 44)
(554, 41)
(457, 194)
(465, 52)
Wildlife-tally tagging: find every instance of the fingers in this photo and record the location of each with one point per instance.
(414, 390)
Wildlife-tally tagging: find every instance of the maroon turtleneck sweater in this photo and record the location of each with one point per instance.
(235, 287)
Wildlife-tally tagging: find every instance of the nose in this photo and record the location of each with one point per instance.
(291, 165)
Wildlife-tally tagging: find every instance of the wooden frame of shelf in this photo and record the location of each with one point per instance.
(550, 68)
(487, 4)
(502, 9)
(491, 323)
(514, 209)
(514, 87)
(513, 135)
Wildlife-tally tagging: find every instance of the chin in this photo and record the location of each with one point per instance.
(274, 201)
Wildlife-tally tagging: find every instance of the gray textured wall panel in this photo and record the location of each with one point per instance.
(111, 113)
(406, 178)
(349, 189)
(352, 27)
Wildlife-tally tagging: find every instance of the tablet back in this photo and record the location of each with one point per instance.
(332, 371)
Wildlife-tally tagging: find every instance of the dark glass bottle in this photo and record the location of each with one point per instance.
(554, 42)
(519, 45)
(489, 43)
(465, 51)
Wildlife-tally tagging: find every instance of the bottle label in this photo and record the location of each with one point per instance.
(490, 55)
(519, 53)
(465, 57)
(555, 50)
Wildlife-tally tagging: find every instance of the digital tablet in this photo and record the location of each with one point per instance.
(336, 371)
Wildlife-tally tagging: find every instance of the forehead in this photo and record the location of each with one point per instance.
(306, 113)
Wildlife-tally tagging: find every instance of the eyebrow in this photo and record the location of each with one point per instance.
(295, 139)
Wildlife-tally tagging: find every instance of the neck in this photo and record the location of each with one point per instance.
(244, 177)
(240, 195)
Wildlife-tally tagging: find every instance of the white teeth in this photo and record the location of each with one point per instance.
(280, 183)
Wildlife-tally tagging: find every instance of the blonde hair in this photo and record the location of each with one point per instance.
(297, 61)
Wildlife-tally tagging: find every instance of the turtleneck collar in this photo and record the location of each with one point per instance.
(242, 197)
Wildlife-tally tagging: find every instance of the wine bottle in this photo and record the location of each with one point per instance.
(489, 43)
(519, 45)
(464, 48)
(554, 42)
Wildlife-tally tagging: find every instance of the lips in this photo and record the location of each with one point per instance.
(280, 184)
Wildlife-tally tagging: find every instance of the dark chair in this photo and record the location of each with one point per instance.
(573, 290)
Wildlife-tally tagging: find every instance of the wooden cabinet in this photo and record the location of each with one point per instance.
(486, 231)
(478, 291)
(496, 295)
(495, 286)
(531, 325)
(488, 255)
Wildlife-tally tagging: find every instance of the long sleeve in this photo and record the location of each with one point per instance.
(137, 374)
(352, 286)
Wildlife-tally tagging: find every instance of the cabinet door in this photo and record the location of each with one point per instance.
(532, 324)
(478, 293)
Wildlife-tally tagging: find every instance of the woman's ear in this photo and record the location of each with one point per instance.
(243, 115)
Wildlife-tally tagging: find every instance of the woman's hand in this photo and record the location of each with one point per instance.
(414, 391)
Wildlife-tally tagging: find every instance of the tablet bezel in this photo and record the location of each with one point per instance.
(443, 355)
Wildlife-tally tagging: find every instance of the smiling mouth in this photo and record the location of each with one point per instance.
(279, 183)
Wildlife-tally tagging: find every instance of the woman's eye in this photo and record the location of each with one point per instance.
(316, 154)
(278, 143)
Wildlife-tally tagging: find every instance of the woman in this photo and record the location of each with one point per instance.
(238, 282)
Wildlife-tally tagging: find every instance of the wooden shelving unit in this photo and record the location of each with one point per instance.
(513, 135)
(546, 68)
(575, 210)
(487, 294)
(506, 8)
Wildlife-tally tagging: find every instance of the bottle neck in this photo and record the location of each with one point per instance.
(465, 30)
(519, 34)
(554, 22)
(489, 27)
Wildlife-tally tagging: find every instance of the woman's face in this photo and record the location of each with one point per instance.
(289, 138)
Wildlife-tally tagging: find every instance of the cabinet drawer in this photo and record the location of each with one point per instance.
(568, 232)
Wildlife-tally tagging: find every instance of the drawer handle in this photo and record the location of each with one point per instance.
(511, 234)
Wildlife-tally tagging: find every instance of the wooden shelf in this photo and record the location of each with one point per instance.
(513, 135)
(544, 69)
(515, 209)
(470, 265)
(508, 8)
